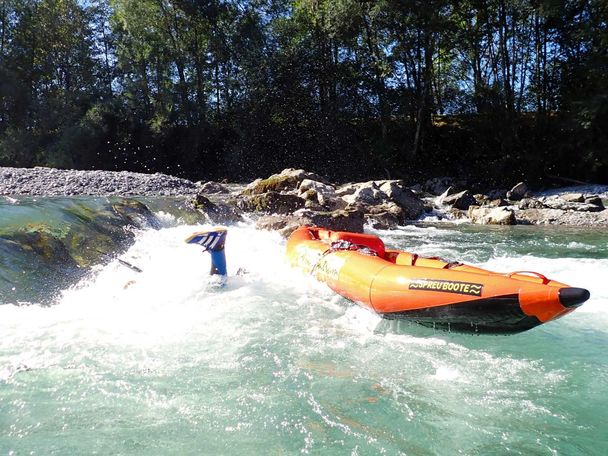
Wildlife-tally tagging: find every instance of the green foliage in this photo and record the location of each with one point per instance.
(497, 91)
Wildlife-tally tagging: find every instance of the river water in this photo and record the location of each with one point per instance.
(164, 362)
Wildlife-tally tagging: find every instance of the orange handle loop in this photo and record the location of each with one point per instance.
(537, 274)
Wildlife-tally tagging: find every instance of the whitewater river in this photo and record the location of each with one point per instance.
(163, 362)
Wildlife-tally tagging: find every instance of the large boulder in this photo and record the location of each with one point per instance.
(461, 200)
(336, 220)
(385, 217)
(271, 203)
(492, 215)
(319, 187)
(366, 193)
(438, 185)
(287, 180)
(216, 212)
(519, 191)
(595, 200)
(410, 203)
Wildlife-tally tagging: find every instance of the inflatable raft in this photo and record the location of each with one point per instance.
(429, 291)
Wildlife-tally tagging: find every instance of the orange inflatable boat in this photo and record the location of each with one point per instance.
(429, 291)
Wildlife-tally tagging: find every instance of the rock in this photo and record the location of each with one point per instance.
(561, 217)
(288, 179)
(497, 193)
(557, 202)
(460, 200)
(271, 203)
(573, 197)
(310, 195)
(518, 192)
(595, 200)
(217, 212)
(530, 203)
(331, 203)
(491, 216)
(336, 220)
(383, 220)
(367, 193)
(499, 202)
(347, 189)
(135, 213)
(438, 185)
(212, 188)
(412, 205)
(319, 187)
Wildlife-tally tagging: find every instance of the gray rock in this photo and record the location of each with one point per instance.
(573, 197)
(557, 202)
(367, 193)
(217, 212)
(561, 217)
(212, 188)
(271, 203)
(287, 180)
(383, 220)
(438, 185)
(460, 200)
(518, 192)
(498, 202)
(530, 203)
(319, 187)
(337, 220)
(595, 200)
(412, 205)
(331, 203)
(491, 215)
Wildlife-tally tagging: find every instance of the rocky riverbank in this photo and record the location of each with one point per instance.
(62, 182)
(294, 197)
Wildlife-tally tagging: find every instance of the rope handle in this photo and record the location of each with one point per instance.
(537, 274)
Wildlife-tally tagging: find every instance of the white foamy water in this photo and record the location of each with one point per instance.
(164, 362)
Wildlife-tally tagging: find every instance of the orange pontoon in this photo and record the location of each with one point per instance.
(429, 291)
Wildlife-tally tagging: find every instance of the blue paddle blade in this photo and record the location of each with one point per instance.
(212, 240)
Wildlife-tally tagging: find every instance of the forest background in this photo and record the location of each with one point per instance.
(493, 90)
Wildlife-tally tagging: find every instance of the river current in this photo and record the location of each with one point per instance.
(163, 362)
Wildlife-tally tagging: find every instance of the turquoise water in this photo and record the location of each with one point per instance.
(163, 362)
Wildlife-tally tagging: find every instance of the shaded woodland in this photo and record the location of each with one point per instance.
(493, 90)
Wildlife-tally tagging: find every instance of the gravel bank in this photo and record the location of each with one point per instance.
(60, 182)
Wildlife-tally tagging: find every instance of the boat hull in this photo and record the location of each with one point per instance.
(429, 291)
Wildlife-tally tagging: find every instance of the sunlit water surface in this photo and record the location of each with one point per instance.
(163, 362)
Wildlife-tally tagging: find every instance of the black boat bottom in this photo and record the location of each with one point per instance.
(498, 315)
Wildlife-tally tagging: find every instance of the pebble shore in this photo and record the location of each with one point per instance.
(62, 182)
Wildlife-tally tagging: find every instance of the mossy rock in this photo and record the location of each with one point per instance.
(274, 183)
(272, 203)
(288, 179)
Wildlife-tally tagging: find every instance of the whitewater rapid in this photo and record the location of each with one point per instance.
(165, 362)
